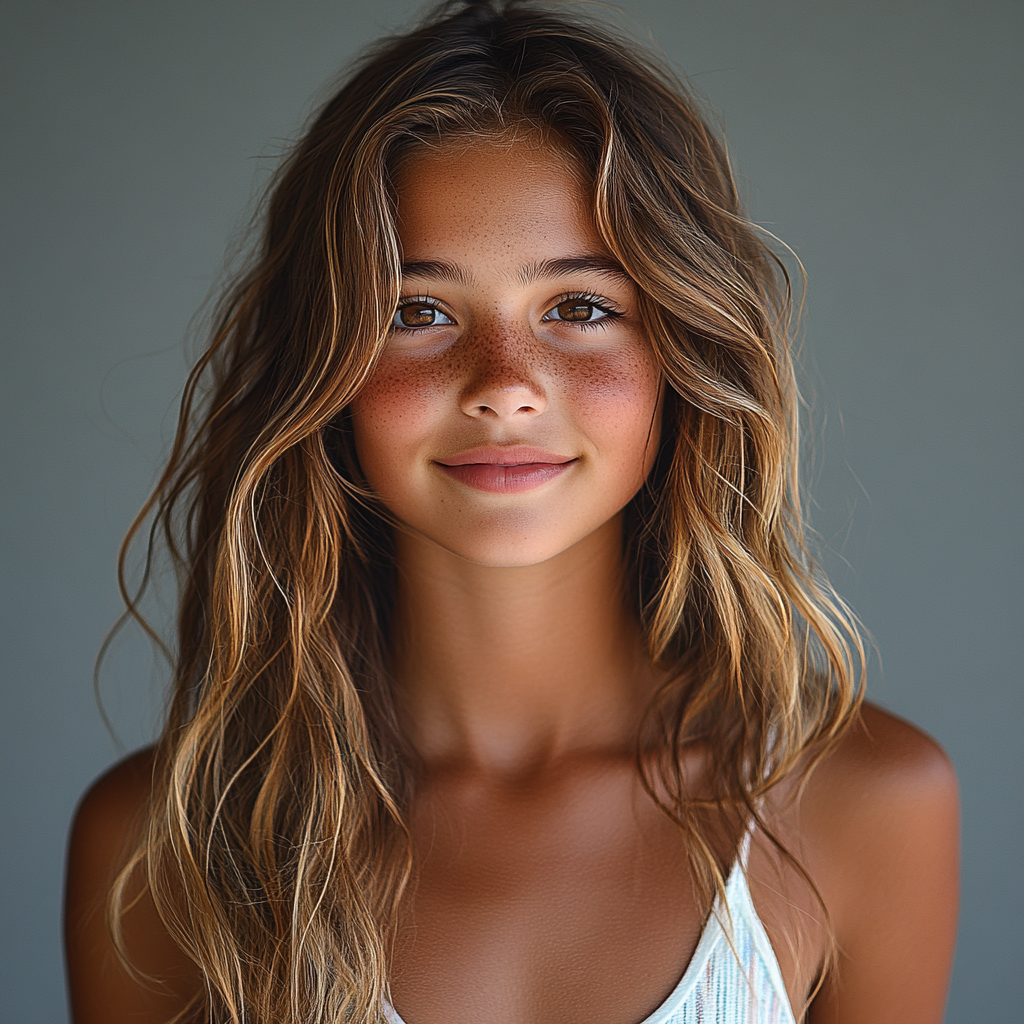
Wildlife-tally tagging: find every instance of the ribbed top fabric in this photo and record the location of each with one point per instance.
(733, 977)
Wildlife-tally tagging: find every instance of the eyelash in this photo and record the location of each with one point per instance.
(417, 301)
(587, 298)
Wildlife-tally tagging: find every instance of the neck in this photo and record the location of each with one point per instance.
(510, 668)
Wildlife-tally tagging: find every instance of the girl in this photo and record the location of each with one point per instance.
(505, 690)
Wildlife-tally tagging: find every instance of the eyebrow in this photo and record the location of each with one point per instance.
(588, 263)
(438, 269)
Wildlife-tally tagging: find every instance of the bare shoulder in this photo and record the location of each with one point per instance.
(106, 829)
(883, 769)
(104, 832)
(880, 822)
(112, 806)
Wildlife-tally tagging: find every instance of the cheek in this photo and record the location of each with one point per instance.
(616, 401)
(397, 406)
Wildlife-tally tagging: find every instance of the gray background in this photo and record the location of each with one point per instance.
(880, 139)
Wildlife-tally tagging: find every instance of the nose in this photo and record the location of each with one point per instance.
(503, 382)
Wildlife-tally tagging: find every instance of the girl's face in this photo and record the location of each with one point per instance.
(515, 409)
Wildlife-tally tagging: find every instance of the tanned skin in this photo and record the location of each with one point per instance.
(549, 887)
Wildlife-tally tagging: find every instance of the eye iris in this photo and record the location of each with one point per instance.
(417, 316)
(575, 311)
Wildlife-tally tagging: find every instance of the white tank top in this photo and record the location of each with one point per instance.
(733, 977)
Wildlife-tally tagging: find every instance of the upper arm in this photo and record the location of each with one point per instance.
(887, 806)
(101, 989)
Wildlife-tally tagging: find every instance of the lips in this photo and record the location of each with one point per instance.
(509, 470)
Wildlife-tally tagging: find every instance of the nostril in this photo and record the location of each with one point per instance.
(504, 399)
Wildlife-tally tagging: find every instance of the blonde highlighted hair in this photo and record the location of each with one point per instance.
(275, 847)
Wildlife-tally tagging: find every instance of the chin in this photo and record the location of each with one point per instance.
(514, 545)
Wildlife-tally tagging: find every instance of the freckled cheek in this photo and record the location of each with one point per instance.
(396, 409)
(615, 401)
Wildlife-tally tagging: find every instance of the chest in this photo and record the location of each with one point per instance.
(568, 900)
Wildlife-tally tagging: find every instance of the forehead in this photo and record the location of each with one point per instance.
(491, 200)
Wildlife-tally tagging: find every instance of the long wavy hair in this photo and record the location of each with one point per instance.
(274, 846)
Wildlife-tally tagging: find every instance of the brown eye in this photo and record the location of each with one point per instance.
(585, 310)
(575, 311)
(418, 315)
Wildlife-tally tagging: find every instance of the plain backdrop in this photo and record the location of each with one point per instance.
(881, 140)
